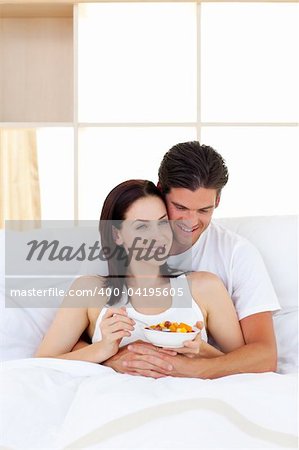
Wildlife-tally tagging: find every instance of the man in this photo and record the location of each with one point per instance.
(191, 176)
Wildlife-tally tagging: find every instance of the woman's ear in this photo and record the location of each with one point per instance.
(116, 236)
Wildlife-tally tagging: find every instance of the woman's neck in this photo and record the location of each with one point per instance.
(140, 276)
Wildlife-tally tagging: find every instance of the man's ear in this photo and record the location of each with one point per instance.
(217, 200)
(159, 186)
(116, 236)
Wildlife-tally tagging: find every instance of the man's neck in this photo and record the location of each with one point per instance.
(177, 248)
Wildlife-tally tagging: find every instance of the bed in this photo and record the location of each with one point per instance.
(58, 404)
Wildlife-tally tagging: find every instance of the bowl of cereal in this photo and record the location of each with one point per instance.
(170, 334)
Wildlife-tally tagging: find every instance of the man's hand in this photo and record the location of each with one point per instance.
(191, 348)
(181, 365)
(147, 361)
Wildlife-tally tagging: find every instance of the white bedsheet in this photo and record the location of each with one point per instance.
(56, 403)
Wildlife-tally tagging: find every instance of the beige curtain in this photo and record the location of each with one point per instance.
(19, 181)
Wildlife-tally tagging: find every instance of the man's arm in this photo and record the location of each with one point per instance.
(259, 354)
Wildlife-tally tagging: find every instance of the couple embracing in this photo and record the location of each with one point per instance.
(227, 292)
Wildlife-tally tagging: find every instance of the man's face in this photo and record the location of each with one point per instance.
(191, 211)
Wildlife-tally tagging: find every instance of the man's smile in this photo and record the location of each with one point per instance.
(187, 229)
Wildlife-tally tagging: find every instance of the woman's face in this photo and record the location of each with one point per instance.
(146, 233)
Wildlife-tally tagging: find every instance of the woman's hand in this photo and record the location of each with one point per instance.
(191, 348)
(114, 326)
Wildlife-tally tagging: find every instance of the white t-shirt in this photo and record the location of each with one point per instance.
(239, 265)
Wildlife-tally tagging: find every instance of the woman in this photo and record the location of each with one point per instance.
(137, 235)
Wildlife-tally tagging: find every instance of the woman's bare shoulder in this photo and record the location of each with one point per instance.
(203, 279)
(88, 281)
(207, 288)
(87, 291)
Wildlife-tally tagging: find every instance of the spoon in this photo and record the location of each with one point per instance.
(140, 321)
(136, 320)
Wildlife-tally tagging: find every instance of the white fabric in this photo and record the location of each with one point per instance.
(183, 309)
(50, 403)
(237, 263)
(276, 238)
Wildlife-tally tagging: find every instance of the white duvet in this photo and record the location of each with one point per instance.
(56, 404)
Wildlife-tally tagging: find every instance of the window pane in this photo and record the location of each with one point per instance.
(56, 172)
(137, 62)
(250, 67)
(263, 166)
(108, 156)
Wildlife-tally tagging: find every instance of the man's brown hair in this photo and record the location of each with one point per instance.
(191, 165)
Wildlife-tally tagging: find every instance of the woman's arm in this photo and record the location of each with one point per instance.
(222, 320)
(208, 351)
(80, 344)
(67, 327)
(64, 332)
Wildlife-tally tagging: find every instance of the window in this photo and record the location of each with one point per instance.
(149, 75)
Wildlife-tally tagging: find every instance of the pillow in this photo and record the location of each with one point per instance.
(24, 323)
(276, 239)
(286, 331)
(21, 329)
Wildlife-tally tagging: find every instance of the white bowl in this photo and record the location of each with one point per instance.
(169, 339)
